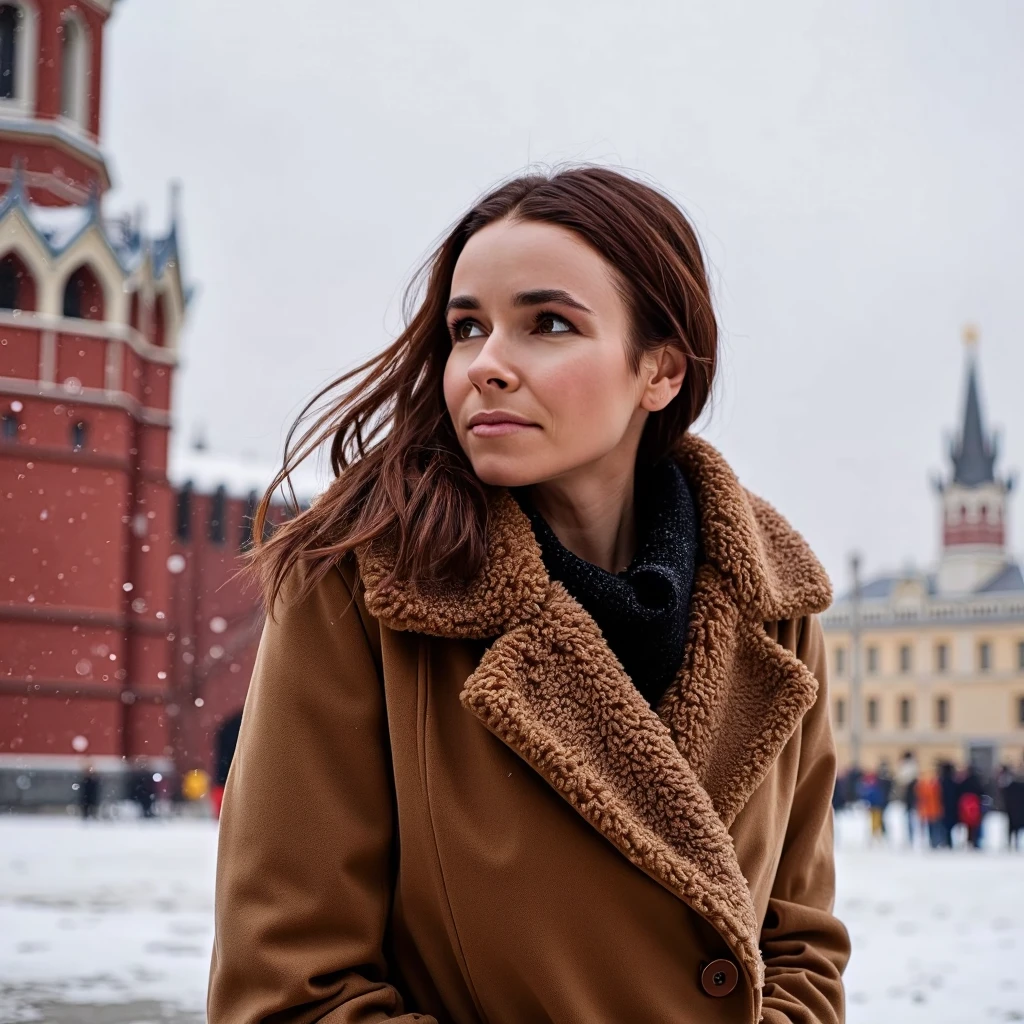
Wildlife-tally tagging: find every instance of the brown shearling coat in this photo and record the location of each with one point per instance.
(450, 804)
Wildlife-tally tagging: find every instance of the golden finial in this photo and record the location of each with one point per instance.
(971, 335)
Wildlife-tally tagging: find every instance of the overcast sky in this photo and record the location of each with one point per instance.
(855, 171)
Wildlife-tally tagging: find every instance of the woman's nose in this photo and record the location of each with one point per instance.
(490, 370)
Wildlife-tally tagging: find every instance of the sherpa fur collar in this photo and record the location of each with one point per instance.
(662, 786)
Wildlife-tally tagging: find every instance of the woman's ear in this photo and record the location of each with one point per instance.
(663, 372)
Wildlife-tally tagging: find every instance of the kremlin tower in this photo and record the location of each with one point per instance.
(123, 638)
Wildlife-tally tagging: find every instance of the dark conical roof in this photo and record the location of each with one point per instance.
(974, 454)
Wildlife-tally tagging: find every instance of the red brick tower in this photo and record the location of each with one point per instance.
(90, 312)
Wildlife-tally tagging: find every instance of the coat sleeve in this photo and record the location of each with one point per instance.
(304, 857)
(805, 947)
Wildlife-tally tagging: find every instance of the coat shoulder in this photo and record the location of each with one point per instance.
(795, 578)
(772, 569)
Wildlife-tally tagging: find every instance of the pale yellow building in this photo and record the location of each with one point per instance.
(941, 652)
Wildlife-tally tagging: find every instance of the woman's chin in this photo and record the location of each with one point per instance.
(498, 472)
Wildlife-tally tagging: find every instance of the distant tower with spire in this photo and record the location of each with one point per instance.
(974, 499)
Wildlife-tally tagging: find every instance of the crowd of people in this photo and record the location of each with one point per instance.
(142, 786)
(945, 807)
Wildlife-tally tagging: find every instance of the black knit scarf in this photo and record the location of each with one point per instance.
(642, 611)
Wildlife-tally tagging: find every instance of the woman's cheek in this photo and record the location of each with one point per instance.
(583, 398)
(454, 385)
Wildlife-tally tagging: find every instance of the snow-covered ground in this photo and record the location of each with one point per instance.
(109, 923)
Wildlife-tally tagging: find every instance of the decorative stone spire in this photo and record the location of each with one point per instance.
(974, 454)
(973, 501)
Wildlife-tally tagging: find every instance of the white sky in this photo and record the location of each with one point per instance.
(855, 171)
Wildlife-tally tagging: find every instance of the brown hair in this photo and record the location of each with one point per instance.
(400, 472)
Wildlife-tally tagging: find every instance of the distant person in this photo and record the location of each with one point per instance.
(929, 808)
(970, 806)
(872, 791)
(216, 798)
(950, 802)
(1012, 792)
(885, 786)
(89, 792)
(852, 790)
(906, 781)
(144, 791)
(839, 794)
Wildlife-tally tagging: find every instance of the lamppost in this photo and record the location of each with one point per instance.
(855, 666)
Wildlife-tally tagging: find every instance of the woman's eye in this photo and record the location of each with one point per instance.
(463, 329)
(550, 323)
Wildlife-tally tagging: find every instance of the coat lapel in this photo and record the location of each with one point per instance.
(662, 787)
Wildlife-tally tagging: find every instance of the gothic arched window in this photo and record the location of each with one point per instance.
(17, 285)
(79, 432)
(83, 295)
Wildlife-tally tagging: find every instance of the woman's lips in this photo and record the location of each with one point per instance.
(500, 429)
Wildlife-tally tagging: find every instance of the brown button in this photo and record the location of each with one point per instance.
(719, 978)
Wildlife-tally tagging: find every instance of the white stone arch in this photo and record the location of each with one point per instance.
(75, 67)
(91, 248)
(18, 236)
(26, 62)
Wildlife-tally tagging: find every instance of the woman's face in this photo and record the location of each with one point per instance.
(539, 383)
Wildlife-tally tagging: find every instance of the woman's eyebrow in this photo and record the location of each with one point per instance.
(461, 302)
(536, 297)
(539, 296)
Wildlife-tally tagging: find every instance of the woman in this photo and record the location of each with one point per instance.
(538, 728)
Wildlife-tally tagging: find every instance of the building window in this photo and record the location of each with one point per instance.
(941, 658)
(9, 15)
(840, 661)
(78, 435)
(218, 515)
(135, 312)
(245, 541)
(74, 70)
(10, 427)
(840, 712)
(83, 295)
(872, 712)
(183, 526)
(1020, 655)
(1020, 711)
(159, 322)
(872, 660)
(905, 658)
(17, 285)
(984, 656)
(905, 712)
(941, 712)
